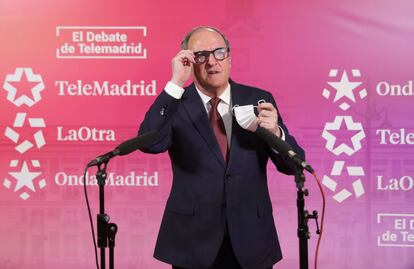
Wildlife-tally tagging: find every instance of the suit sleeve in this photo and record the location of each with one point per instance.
(283, 163)
(160, 118)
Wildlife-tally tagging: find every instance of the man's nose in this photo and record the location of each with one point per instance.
(211, 59)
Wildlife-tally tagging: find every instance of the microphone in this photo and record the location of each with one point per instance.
(282, 147)
(126, 147)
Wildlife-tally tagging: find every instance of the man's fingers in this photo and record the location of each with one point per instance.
(186, 56)
(266, 106)
(267, 113)
(266, 121)
(268, 117)
(181, 67)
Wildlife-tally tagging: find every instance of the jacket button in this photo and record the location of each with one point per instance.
(162, 111)
(223, 205)
(227, 176)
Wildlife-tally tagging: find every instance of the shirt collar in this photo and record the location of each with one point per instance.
(225, 96)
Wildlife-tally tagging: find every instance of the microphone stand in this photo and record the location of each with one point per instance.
(303, 217)
(106, 231)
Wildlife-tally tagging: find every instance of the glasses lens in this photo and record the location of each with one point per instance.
(220, 54)
(200, 57)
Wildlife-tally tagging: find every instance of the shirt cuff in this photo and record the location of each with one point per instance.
(174, 90)
(282, 134)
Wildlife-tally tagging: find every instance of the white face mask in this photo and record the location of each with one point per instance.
(246, 117)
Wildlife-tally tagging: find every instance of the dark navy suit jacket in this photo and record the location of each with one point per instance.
(206, 192)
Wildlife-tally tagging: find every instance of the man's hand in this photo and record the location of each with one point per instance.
(268, 118)
(181, 67)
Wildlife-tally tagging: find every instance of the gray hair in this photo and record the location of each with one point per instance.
(184, 43)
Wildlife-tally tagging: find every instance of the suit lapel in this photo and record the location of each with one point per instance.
(197, 113)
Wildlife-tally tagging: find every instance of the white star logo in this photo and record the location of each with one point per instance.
(351, 126)
(344, 88)
(36, 86)
(19, 122)
(353, 171)
(24, 178)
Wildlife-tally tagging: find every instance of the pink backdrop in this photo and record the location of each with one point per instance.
(298, 50)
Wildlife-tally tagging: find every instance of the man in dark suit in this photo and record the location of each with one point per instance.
(219, 213)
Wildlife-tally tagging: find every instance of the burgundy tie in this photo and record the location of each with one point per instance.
(218, 126)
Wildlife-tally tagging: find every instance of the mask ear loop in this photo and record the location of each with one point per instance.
(258, 103)
(232, 110)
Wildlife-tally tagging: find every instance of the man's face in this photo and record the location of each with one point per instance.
(211, 76)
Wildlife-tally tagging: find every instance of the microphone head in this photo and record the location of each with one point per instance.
(138, 142)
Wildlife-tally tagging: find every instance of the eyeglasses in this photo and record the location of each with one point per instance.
(220, 54)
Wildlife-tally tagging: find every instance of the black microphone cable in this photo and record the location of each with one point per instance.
(122, 149)
(90, 215)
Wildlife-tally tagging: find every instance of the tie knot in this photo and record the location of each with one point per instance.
(214, 102)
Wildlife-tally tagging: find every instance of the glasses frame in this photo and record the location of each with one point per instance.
(207, 53)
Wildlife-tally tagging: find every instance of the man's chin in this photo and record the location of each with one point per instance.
(216, 82)
(216, 90)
